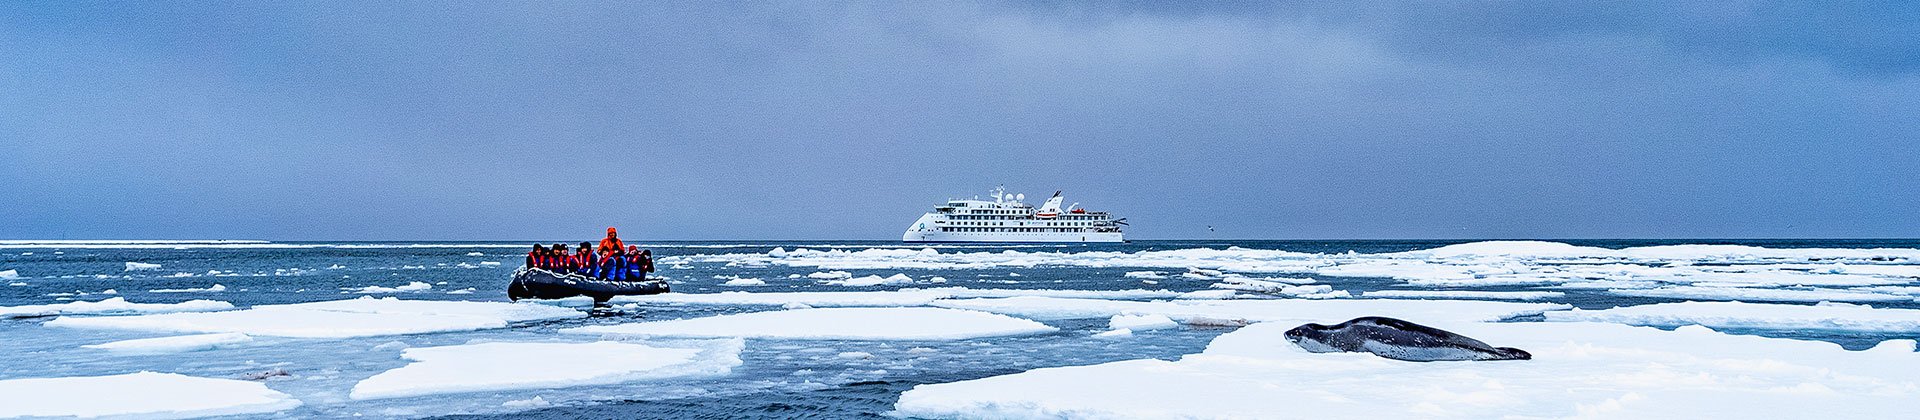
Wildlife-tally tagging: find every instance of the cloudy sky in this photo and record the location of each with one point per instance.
(816, 120)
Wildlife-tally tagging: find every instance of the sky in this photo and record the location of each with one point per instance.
(501, 120)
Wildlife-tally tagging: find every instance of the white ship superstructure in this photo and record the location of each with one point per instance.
(1006, 219)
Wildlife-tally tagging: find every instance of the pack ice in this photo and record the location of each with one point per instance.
(111, 306)
(835, 324)
(138, 395)
(363, 317)
(503, 366)
(1578, 370)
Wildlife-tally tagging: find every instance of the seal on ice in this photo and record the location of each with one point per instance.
(1398, 340)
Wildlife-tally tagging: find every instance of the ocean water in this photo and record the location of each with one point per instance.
(779, 378)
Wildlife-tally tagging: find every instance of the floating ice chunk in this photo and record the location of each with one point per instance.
(139, 395)
(490, 263)
(174, 344)
(1462, 294)
(9, 274)
(1606, 284)
(1141, 322)
(1117, 333)
(336, 267)
(111, 306)
(535, 402)
(500, 366)
(744, 282)
(1273, 287)
(476, 254)
(17, 283)
(1146, 275)
(364, 317)
(216, 288)
(1262, 310)
(466, 291)
(835, 324)
(830, 275)
(1207, 294)
(1582, 369)
(1756, 294)
(409, 287)
(894, 280)
(1754, 315)
(137, 266)
(856, 355)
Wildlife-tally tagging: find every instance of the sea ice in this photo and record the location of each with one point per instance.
(111, 306)
(503, 366)
(1462, 294)
(835, 324)
(363, 317)
(744, 282)
(894, 280)
(902, 297)
(174, 344)
(216, 288)
(1578, 370)
(137, 266)
(9, 274)
(1262, 310)
(1754, 315)
(1758, 294)
(409, 287)
(1141, 322)
(139, 395)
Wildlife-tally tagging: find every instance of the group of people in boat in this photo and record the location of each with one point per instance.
(614, 260)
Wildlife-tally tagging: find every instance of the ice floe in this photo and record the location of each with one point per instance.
(1758, 294)
(216, 288)
(364, 317)
(835, 324)
(111, 306)
(1578, 370)
(137, 266)
(503, 366)
(1462, 294)
(409, 287)
(174, 344)
(139, 395)
(1231, 312)
(9, 274)
(1837, 317)
(1141, 322)
(894, 280)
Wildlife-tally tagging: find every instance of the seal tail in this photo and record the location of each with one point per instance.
(1509, 353)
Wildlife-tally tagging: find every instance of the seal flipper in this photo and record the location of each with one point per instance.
(1509, 353)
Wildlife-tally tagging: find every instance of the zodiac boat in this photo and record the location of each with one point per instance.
(536, 283)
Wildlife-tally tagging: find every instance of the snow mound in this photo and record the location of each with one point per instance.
(1753, 315)
(488, 366)
(363, 317)
(409, 287)
(1578, 370)
(835, 324)
(140, 395)
(175, 344)
(216, 288)
(111, 306)
(1756, 294)
(1462, 294)
(137, 266)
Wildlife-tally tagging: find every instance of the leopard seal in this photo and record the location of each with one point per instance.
(1398, 340)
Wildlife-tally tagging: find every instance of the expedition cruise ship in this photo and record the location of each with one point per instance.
(1006, 219)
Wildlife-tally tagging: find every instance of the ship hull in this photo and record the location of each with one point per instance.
(1014, 237)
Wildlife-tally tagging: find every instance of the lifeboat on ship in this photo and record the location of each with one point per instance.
(537, 283)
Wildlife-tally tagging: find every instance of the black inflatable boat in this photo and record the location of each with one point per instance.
(535, 283)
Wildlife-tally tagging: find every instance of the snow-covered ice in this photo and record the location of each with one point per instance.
(216, 288)
(1758, 294)
(409, 287)
(1839, 317)
(137, 266)
(1263, 310)
(9, 274)
(363, 317)
(505, 366)
(174, 344)
(903, 297)
(111, 306)
(1578, 370)
(894, 280)
(1141, 322)
(835, 324)
(148, 395)
(1462, 294)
